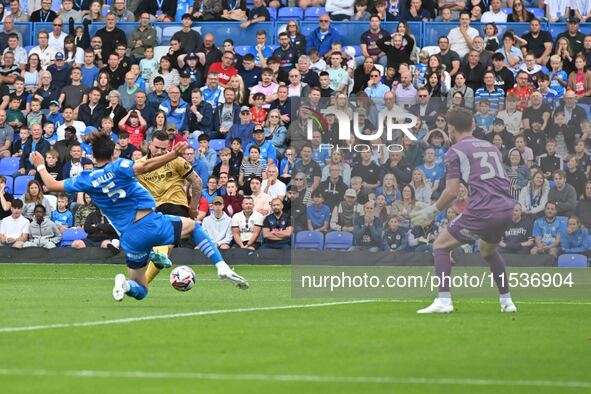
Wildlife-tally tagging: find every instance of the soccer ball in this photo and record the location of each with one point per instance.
(182, 278)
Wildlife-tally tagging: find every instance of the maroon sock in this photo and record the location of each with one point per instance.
(442, 268)
(497, 267)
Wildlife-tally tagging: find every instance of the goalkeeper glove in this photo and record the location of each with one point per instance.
(424, 216)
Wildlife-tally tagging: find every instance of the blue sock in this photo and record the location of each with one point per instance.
(136, 290)
(205, 245)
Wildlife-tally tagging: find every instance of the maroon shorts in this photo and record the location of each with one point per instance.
(488, 226)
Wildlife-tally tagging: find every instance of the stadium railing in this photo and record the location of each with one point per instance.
(426, 34)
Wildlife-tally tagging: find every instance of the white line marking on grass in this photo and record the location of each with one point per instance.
(178, 315)
(295, 378)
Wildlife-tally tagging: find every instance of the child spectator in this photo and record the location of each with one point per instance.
(135, 125)
(85, 144)
(437, 140)
(35, 116)
(148, 65)
(19, 145)
(551, 98)
(55, 116)
(218, 225)
(484, 119)
(498, 128)
(259, 114)
(318, 213)
(395, 238)
(127, 149)
(62, 216)
(14, 115)
(49, 134)
(205, 153)
(225, 164)
(558, 77)
(511, 115)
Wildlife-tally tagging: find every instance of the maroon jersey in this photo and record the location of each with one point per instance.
(480, 165)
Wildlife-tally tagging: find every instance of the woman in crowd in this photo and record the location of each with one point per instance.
(74, 55)
(421, 185)
(389, 189)
(565, 52)
(159, 125)
(519, 13)
(336, 158)
(242, 92)
(534, 196)
(31, 72)
(104, 85)
(406, 206)
(33, 196)
(579, 80)
(115, 110)
(361, 75)
(232, 199)
(275, 130)
(170, 75)
(517, 172)
(466, 91)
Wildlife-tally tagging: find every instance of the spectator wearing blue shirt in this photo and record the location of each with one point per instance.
(243, 130)
(323, 36)
(174, 108)
(261, 51)
(199, 166)
(268, 154)
(90, 71)
(205, 153)
(54, 116)
(575, 237)
(62, 216)
(212, 190)
(433, 172)
(318, 213)
(376, 89)
(547, 232)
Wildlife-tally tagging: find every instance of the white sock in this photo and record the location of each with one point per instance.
(221, 265)
(445, 297)
(505, 298)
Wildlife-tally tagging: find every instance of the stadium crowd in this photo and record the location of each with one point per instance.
(246, 117)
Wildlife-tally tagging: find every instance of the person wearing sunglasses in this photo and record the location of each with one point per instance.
(323, 36)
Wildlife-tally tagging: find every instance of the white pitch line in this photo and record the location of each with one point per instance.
(178, 315)
(295, 378)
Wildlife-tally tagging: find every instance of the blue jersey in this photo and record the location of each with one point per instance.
(433, 174)
(115, 191)
(555, 85)
(64, 218)
(548, 231)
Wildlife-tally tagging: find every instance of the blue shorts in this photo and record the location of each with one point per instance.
(154, 229)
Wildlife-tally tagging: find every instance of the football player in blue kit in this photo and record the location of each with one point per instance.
(131, 210)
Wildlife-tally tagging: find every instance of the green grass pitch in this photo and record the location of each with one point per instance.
(249, 346)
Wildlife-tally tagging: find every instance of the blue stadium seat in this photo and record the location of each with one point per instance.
(272, 13)
(313, 13)
(71, 235)
(9, 165)
(539, 13)
(572, 261)
(242, 49)
(9, 183)
(217, 145)
(313, 240)
(193, 143)
(338, 240)
(289, 13)
(20, 184)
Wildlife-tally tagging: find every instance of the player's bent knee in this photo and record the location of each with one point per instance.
(188, 227)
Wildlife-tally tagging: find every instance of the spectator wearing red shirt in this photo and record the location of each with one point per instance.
(224, 69)
(135, 125)
(173, 136)
(259, 114)
(522, 89)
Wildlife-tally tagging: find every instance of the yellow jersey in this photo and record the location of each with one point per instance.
(167, 183)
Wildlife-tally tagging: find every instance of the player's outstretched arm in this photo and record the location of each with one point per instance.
(49, 182)
(157, 162)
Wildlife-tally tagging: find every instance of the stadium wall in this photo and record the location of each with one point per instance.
(261, 257)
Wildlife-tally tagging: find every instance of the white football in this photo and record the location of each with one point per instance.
(182, 278)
